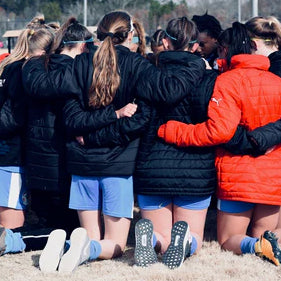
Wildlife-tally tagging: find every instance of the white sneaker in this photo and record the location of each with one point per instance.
(180, 245)
(78, 252)
(53, 251)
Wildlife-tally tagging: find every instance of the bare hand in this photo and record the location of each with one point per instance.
(270, 149)
(207, 64)
(80, 140)
(127, 111)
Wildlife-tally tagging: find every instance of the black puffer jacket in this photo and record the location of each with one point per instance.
(275, 62)
(46, 138)
(12, 115)
(164, 169)
(118, 159)
(107, 161)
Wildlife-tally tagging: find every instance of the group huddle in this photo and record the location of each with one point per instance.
(91, 124)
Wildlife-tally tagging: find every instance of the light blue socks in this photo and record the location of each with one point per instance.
(247, 245)
(193, 246)
(66, 245)
(95, 249)
(14, 242)
(154, 240)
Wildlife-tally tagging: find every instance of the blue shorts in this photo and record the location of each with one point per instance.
(149, 203)
(13, 190)
(236, 207)
(113, 195)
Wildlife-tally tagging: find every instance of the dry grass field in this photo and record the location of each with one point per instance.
(211, 264)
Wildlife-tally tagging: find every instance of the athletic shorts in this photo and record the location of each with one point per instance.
(236, 207)
(112, 195)
(13, 190)
(149, 203)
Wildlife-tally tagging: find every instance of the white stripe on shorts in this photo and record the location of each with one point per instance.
(15, 187)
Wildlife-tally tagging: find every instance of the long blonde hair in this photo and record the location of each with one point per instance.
(268, 29)
(113, 29)
(29, 41)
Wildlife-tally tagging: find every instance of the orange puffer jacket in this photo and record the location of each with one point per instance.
(248, 95)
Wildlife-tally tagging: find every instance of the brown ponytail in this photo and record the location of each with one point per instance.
(113, 29)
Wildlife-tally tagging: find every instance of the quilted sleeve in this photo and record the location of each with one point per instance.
(224, 115)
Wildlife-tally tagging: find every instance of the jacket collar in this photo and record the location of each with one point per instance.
(122, 48)
(175, 57)
(250, 61)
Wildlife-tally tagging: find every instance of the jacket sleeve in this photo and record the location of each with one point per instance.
(3, 92)
(122, 131)
(200, 97)
(13, 109)
(40, 83)
(8, 124)
(224, 115)
(240, 144)
(158, 87)
(265, 137)
(256, 142)
(80, 121)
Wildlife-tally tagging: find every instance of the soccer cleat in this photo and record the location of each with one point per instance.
(53, 251)
(144, 252)
(179, 247)
(267, 248)
(2, 240)
(78, 253)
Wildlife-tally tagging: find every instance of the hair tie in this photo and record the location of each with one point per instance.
(109, 34)
(171, 37)
(192, 42)
(78, 41)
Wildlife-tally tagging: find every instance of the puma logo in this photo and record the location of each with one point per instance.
(216, 101)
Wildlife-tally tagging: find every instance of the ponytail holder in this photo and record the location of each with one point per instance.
(31, 32)
(109, 34)
(171, 37)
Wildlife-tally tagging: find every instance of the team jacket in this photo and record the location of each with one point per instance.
(248, 95)
(107, 160)
(263, 138)
(12, 115)
(164, 169)
(45, 137)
